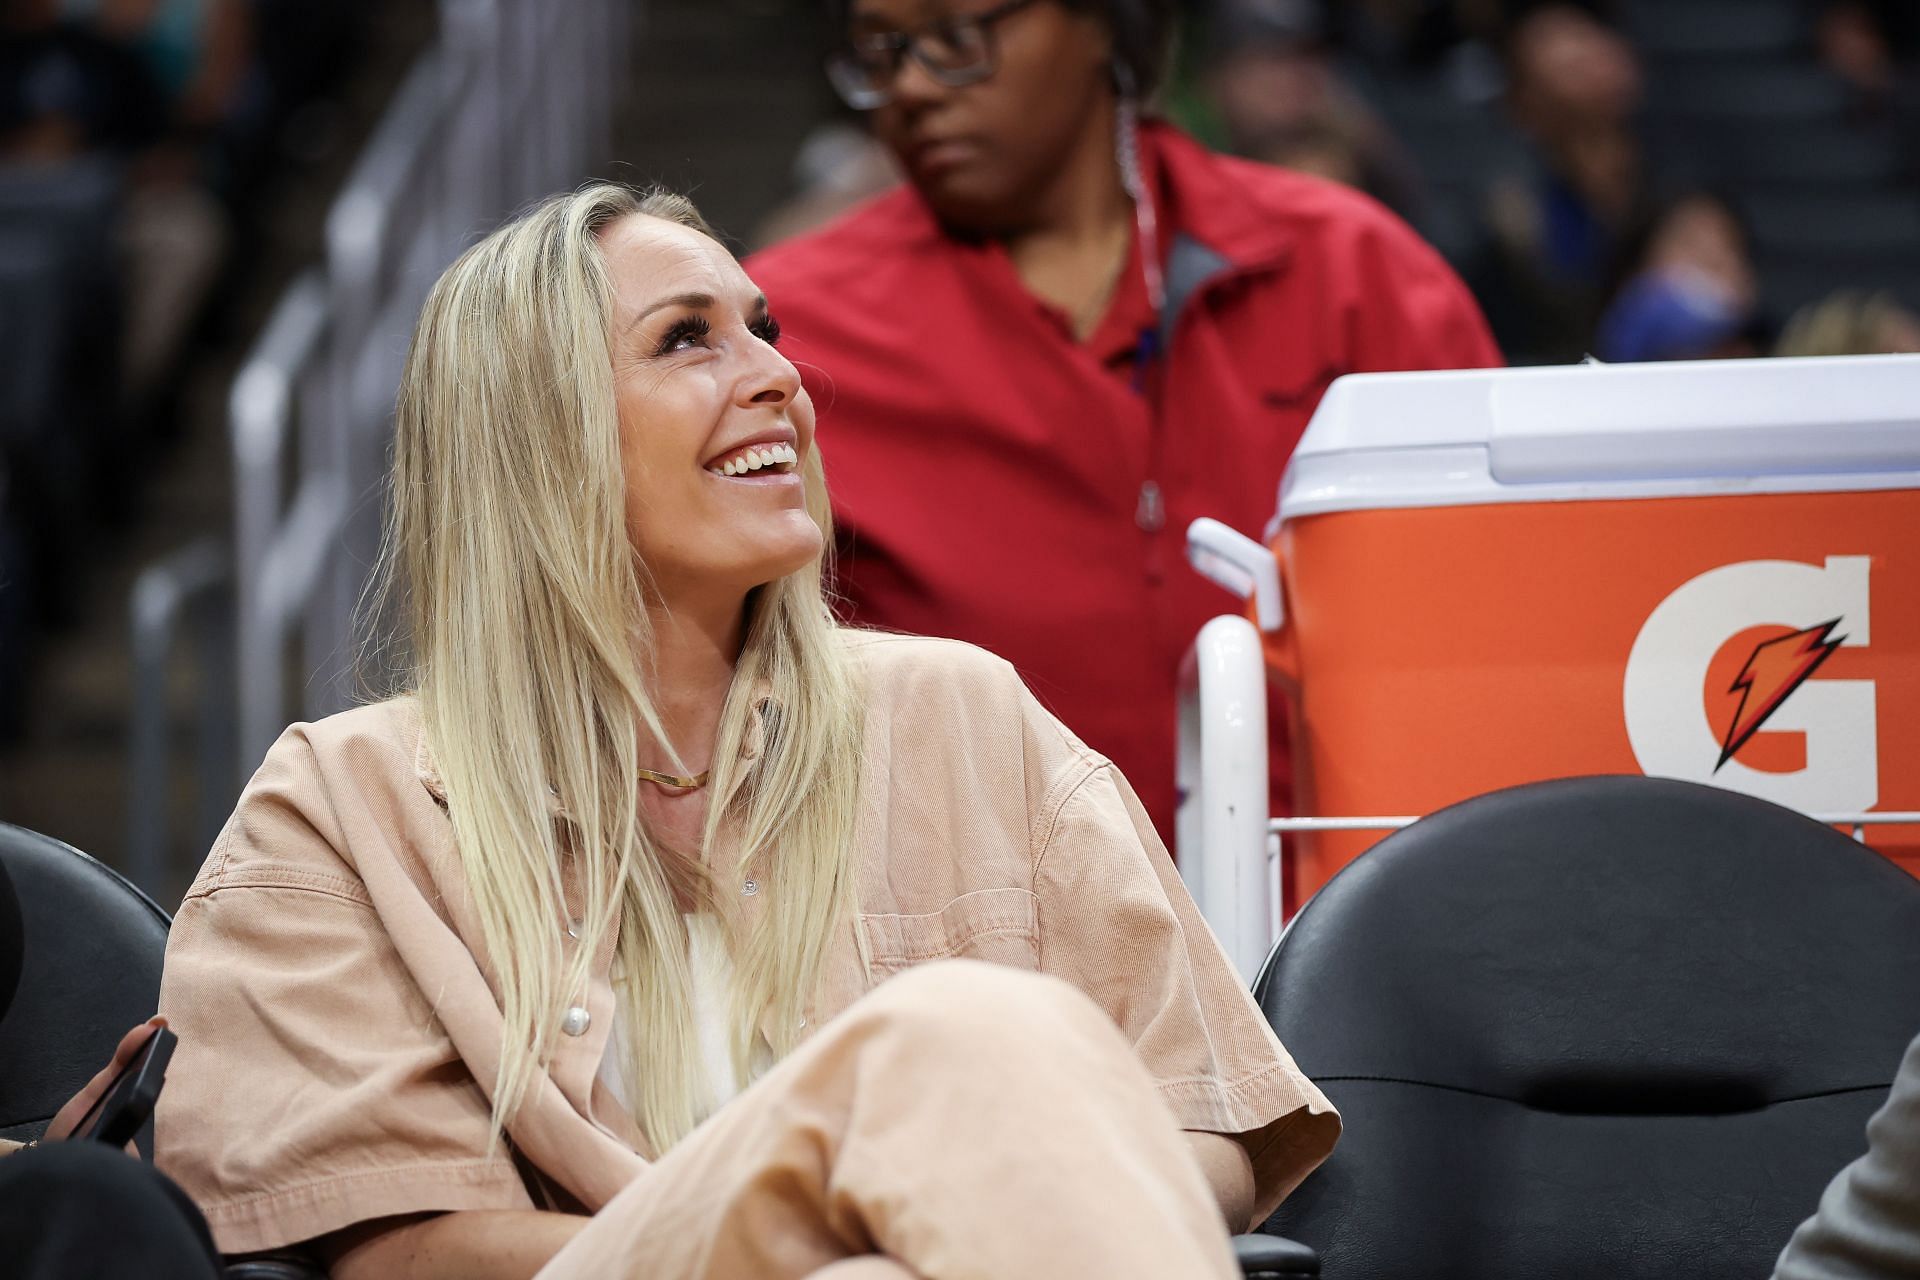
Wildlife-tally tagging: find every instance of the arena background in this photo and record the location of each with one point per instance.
(1571, 160)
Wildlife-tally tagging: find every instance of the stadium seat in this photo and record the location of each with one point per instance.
(90, 947)
(1816, 222)
(1733, 29)
(1757, 93)
(1817, 158)
(90, 968)
(11, 942)
(1789, 283)
(1599, 1027)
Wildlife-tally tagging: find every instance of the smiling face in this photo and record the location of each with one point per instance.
(714, 423)
(984, 154)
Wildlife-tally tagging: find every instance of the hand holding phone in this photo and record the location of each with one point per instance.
(121, 1095)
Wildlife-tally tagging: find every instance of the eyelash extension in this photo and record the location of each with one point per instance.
(766, 329)
(686, 327)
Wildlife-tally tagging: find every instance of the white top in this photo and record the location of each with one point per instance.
(712, 970)
(1597, 431)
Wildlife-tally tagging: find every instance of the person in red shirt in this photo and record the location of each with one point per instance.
(1072, 332)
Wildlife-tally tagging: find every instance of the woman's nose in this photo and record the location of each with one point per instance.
(914, 87)
(773, 380)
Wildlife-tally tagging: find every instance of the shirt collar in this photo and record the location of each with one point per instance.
(1212, 216)
(1207, 197)
(1203, 195)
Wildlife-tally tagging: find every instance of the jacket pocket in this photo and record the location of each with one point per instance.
(997, 925)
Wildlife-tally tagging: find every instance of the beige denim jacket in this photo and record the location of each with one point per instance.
(339, 1034)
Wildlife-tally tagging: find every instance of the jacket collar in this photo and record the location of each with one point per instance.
(763, 707)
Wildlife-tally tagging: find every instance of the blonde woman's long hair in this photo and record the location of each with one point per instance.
(530, 646)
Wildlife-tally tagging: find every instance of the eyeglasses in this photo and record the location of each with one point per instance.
(956, 50)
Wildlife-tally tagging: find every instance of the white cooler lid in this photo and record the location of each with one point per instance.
(1598, 431)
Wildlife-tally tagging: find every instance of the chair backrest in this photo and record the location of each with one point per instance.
(90, 969)
(1597, 1027)
(11, 942)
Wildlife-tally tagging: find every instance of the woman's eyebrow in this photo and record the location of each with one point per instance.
(691, 301)
(697, 302)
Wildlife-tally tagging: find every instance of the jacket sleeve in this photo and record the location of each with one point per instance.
(1116, 921)
(1868, 1223)
(313, 1086)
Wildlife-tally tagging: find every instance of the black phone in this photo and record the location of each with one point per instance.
(129, 1101)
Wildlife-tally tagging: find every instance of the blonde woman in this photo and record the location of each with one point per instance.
(663, 928)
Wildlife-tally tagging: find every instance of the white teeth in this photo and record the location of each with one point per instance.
(748, 460)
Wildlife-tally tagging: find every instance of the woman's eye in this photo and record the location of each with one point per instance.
(767, 329)
(689, 332)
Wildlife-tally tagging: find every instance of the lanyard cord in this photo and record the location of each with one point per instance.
(1150, 509)
(1133, 181)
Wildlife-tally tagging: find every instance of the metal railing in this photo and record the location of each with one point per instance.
(190, 588)
(513, 99)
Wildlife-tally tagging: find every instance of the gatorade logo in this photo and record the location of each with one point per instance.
(1768, 678)
(1681, 725)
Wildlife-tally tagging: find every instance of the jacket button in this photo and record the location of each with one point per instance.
(576, 1021)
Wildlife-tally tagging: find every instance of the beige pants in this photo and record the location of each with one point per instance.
(964, 1121)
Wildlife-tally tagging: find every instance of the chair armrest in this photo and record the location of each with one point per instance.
(1260, 1258)
(1263, 1257)
(280, 1266)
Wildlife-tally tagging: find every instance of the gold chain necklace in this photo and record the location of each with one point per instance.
(675, 779)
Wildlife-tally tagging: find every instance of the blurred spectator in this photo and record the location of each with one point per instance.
(1281, 100)
(132, 137)
(1874, 46)
(1866, 43)
(66, 88)
(1851, 322)
(1072, 333)
(1573, 89)
(1690, 291)
(126, 82)
(198, 50)
(1449, 43)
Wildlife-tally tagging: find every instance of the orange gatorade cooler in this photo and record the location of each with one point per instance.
(1707, 571)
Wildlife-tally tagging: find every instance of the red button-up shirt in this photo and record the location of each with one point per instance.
(999, 481)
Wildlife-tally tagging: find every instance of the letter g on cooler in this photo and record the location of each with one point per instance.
(1665, 694)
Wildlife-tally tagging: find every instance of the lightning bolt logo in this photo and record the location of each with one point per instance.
(1774, 670)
